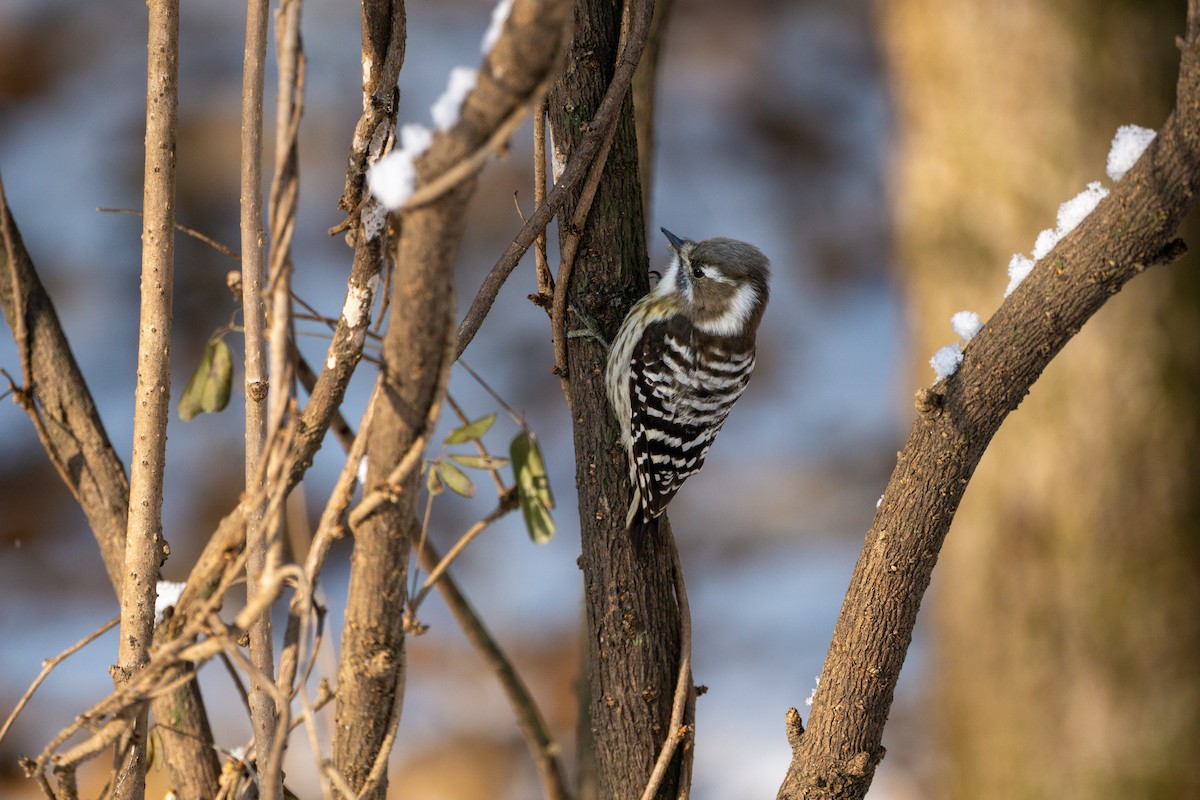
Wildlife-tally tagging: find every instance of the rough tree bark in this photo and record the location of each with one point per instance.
(1066, 638)
(632, 617)
(418, 349)
(1129, 231)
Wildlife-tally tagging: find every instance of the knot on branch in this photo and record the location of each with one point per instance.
(928, 402)
(1171, 252)
(795, 728)
(860, 763)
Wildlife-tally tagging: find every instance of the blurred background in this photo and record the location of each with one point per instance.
(889, 159)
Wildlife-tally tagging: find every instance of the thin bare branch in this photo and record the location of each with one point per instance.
(545, 281)
(48, 666)
(570, 246)
(282, 208)
(263, 711)
(144, 550)
(508, 502)
(192, 232)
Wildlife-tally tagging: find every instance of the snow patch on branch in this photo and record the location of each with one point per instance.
(946, 360)
(966, 324)
(499, 17)
(393, 178)
(808, 701)
(446, 108)
(1070, 214)
(168, 594)
(1127, 147)
(1075, 210)
(357, 308)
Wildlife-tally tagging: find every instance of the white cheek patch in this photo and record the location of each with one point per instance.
(734, 320)
(716, 275)
(674, 279)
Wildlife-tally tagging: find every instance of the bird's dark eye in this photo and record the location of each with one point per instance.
(697, 272)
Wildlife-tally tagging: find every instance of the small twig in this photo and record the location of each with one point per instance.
(479, 445)
(48, 666)
(282, 204)
(339, 781)
(90, 748)
(238, 685)
(195, 234)
(508, 502)
(545, 281)
(512, 414)
(410, 615)
(278, 736)
(263, 713)
(308, 714)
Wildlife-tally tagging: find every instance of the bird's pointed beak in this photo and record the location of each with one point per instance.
(675, 241)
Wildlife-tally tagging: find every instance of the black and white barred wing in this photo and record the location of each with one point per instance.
(682, 385)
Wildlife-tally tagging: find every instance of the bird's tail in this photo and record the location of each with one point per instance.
(641, 526)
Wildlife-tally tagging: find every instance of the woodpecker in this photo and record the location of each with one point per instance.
(680, 360)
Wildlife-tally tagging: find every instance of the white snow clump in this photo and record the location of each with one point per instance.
(946, 360)
(1018, 267)
(813, 693)
(1127, 147)
(1070, 214)
(966, 324)
(446, 108)
(1045, 243)
(393, 178)
(499, 17)
(1073, 212)
(168, 593)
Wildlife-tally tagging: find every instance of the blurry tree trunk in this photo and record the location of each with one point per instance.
(1066, 629)
(632, 617)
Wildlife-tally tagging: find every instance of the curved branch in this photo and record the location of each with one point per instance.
(1130, 230)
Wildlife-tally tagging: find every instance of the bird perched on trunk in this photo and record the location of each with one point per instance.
(681, 359)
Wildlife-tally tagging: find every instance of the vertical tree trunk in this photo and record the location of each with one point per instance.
(1066, 629)
(632, 617)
